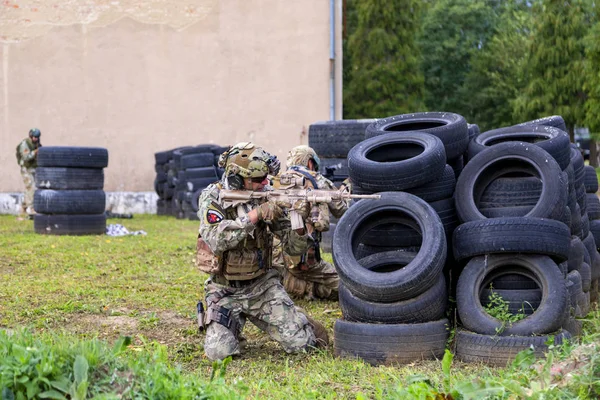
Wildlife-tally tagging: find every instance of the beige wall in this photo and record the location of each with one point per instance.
(140, 76)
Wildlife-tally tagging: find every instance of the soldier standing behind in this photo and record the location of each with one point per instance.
(307, 275)
(235, 247)
(27, 158)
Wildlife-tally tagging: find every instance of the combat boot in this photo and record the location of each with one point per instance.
(320, 333)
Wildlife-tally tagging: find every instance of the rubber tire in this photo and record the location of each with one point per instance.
(334, 139)
(542, 269)
(590, 179)
(69, 201)
(386, 344)
(527, 300)
(450, 128)
(74, 224)
(479, 172)
(196, 160)
(406, 282)
(429, 306)
(78, 157)
(514, 282)
(593, 206)
(554, 141)
(512, 235)
(555, 121)
(501, 350)
(63, 178)
(511, 192)
(396, 162)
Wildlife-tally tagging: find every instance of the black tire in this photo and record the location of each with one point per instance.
(554, 141)
(483, 269)
(473, 130)
(334, 139)
(69, 201)
(514, 282)
(429, 306)
(163, 157)
(593, 206)
(590, 179)
(555, 121)
(518, 301)
(401, 284)
(594, 257)
(196, 160)
(595, 231)
(78, 157)
(512, 235)
(197, 173)
(450, 128)
(501, 350)
(327, 239)
(511, 192)
(74, 224)
(576, 251)
(585, 271)
(442, 187)
(578, 165)
(392, 231)
(573, 326)
(496, 160)
(194, 201)
(362, 250)
(334, 169)
(385, 344)
(69, 178)
(396, 162)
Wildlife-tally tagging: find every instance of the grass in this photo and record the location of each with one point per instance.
(99, 288)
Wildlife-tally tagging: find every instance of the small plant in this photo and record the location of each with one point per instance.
(498, 308)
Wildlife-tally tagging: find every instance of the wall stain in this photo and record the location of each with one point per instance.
(26, 19)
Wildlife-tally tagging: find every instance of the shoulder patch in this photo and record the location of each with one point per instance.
(214, 214)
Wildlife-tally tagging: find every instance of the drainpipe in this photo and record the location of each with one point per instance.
(332, 59)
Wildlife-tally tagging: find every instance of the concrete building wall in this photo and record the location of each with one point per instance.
(139, 76)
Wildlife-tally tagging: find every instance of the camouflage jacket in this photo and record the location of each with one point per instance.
(228, 228)
(25, 153)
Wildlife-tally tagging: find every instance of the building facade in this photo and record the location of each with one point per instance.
(141, 76)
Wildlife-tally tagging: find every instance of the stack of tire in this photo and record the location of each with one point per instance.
(332, 140)
(512, 199)
(163, 184)
(70, 199)
(593, 209)
(393, 302)
(193, 169)
(414, 153)
(182, 174)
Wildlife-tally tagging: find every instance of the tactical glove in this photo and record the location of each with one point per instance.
(268, 211)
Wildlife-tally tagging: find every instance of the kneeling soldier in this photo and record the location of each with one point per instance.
(235, 246)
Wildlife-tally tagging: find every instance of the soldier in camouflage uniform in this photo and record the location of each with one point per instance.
(306, 275)
(235, 247)
(27, 159)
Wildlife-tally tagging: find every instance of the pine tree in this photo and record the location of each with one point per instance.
(453, 31)
(554, 68)
(384, 77)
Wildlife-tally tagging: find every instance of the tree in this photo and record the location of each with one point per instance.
(554, 68)
(384, 77)
(453, 31)
(495, 77)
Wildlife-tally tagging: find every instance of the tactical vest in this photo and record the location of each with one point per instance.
(249, 260)
(31, 146)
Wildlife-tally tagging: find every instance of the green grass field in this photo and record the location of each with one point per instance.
(146, 287)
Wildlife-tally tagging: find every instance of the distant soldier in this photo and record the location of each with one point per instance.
(235, 247)
(27, 158)
(307, 275)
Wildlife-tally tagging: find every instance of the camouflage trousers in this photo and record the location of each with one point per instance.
(266, 304)
(28, 175)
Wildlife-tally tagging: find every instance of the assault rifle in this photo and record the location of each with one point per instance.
(315, 196)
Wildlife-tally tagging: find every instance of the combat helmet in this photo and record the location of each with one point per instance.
(35, 132)
(248, 161)
(300, 155)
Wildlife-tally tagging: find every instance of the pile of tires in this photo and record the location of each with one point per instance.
(592, 240)
(182, 174)
(393, 302)
(70, 199)
(521, 225)
(332, 140)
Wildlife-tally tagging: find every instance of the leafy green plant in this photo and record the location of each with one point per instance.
(499, 309)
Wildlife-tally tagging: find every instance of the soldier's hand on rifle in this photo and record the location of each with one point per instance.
(268, 211)
(302, 207)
